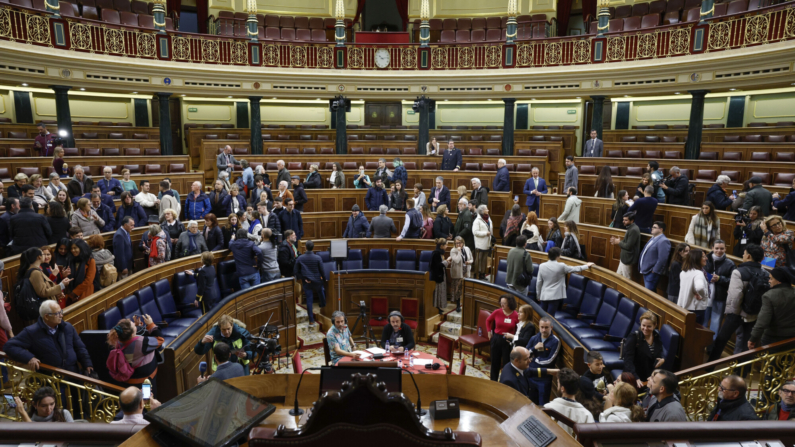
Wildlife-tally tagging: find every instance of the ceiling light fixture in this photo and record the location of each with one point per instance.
(135, 93)
(183, 95)
(579, 97)
(25, 84)
(82, 89)
(229, 97)
(732, 89)
(677, 93)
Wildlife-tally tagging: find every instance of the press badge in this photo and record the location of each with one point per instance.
(743, 241)
(399, 340)
(508, 320)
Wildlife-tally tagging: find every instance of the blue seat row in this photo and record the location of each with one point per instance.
(502, 272)
(378, 259)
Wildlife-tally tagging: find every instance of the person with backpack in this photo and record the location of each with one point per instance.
(33, 286)
(776, 318)
(412, 224)
(133, 358)
(83, 270)
(103, 259)
(748, 283)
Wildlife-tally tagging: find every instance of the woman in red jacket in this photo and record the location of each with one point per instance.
(502, 328)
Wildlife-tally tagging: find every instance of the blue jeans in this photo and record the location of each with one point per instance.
(249, 280)
(714, 315)
(650, 281)
(310, 296)
(700, 314)
(270, 276)
(551, 306)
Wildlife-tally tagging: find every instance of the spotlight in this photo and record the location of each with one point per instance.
(82, 89)
(62, 133)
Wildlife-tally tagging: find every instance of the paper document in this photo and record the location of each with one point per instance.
(363, 354)
(376, 351)
(423, 362)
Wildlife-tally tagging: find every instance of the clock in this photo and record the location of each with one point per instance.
(382, 58)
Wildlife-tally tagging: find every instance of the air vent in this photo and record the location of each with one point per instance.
(22, 69)
(759, 72)
(465, 89)
(382, 89)
(644, 82)
(299, 87)
(551, 87)
(210, 84)
(117, 79)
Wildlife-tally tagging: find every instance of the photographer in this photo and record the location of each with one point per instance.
(269, 269)
(677, 188)
(746, 230)
(233, 333)
(656, 180)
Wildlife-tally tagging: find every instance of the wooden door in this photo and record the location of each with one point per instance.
(383, 113)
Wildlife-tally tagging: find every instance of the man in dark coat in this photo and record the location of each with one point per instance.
(80, 184)
(28, 229)
(479, 192)
(290, 219)
(287, 255)
(122, 247)
(299, 195)
(463, 225)
(502, 180)
(677, 188)
(732, 404)
(757, 196)
(517, 373)
(358, 226)
(451, 159)
(309, 270)
(12, 208)
(51, 341)
(718, 195)
(439, 195)
(376, 196)
(103, 212)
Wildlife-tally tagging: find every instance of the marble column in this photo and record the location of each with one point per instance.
(694, 127)
(255, 125)
(508, 125)
(598, 116)
(342, 128)
(166, 142)
(425, 121)
(63, 113)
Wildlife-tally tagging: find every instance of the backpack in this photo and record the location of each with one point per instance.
(758, 285)
(117, 364)
(27, 301)
(523, 280)
(108, 275)
(415, 221)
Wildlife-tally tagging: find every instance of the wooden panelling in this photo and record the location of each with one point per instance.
(78, 130)
(707, 135)
(746, 149)
(13, 163)
(7, 143)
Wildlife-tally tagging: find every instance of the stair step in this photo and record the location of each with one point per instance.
(305, 329)
(454, 317)
(450, 328)
(435, 337)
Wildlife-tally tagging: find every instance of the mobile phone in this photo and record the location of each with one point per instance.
(147, 389)
(10, 401)
(515, 198)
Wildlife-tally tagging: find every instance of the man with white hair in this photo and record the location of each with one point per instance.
(284, 174)
(483, 230)
(80, 184)
(109, 185)
(55, 184)
(439, 195)
(479, 192)
(197, 205)
(718, 195)
(502, 181)
(382, 226)
(226, 160)
(51, 341)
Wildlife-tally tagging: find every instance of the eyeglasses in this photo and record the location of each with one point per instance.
(786, 391)
(720, 387)
(59, 314)
(777, 224)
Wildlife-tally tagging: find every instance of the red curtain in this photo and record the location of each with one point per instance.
(564, 13)
(173, 6)
(403, 9)
(359, 9)
(201, 15)
(588, 8)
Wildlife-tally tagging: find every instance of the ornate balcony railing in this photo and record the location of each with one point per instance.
(84, 397)
(765, 370)
(759, 27)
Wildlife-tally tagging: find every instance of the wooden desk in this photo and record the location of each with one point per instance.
(382, 37)
(489, 408)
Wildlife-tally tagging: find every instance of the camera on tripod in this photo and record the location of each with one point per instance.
(266, 347)
(742, 216)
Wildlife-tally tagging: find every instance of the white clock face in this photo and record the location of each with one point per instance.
(382, 58)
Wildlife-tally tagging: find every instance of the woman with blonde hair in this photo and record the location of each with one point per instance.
(460, 262)
(777, 239)
(525, 329)
(86, 218)
(313, 180)
(571, 240)
(621, 406)
(530, 225)
(645, 181)
(41, 195)
(58, 164)
(704, 227)
(139, 350)
(442, 226)
(438, 275)
(126, 183)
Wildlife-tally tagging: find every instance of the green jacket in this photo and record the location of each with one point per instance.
(776, 320)
(515, 265)
(758, 196)
(630, 245)
(463, 228)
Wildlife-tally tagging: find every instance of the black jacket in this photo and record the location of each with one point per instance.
(570, 248)
(405, 332)
(723, 269)
(639, 358)
(214, 239)
(618, 217)
(442, 227)
(673, 279)
(28, 229)
(718, 197)
(752, 236)
(437, 266)
(286, 259)
(60, 228)
(313, 181)
(173, 231)
(678, 192)
(205, 287)
(217, 202)
(73, 188)
(523, 337)
(62, 350)
(299, 197)
(733, 410)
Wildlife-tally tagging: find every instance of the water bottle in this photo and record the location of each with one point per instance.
(400, 364)
(387, 347)
(411, 361)
(406, 354)
(480, 332)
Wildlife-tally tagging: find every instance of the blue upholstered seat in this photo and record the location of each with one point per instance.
(165, 301)
(355, 260)
(378, 259)
(227, 278)
(109, 318)
(425, 261)
(618, 329)
(329, 265)
(405, 260)
(589, 308)
(502, 273)
(186, 294)
(575, 291)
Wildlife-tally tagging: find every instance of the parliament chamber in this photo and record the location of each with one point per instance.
(511, 113)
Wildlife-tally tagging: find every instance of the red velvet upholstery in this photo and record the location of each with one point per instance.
(474, 340)
(445, 350)
(410, 309)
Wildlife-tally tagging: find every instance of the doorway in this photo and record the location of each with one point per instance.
(383, 113)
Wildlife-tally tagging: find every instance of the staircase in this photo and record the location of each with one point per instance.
(309, 334)
(450, 324)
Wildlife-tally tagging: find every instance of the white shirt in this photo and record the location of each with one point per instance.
(146, 199)
(132, 419)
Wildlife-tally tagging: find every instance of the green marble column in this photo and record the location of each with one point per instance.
(508, 125)
(256, 128)
(63, 113)
(693, 143)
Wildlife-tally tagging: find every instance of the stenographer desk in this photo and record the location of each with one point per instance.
(489, 408)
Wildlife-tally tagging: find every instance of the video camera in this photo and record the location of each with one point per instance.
(742, 216)
(266, 347)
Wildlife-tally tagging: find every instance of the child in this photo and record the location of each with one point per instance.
(596, 372)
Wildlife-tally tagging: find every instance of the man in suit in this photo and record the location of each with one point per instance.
(463, 225)
(654, 256)
(479, 193)
(290, 219)
(28, 228)
(534, 187)
(226, 160)
(452, 159)
(594, 147)
(12, 208)
(439, 194)
(288, 253)
(517, 373)
(122, 247)
(309, 270)
(103, 212)
(80, 184)
(502, 180)
(224, 369)
(382, 226)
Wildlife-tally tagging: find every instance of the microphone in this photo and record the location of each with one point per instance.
(420, 411)
(297, 411)
(202, 368)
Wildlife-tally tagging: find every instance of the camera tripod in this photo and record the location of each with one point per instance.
(367, 330)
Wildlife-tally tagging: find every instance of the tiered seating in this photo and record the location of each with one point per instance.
(118, 12)
(671, 12)
(274, 27)
(480, 29)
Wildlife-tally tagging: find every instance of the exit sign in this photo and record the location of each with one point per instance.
(410, 112)
(193, 109)
(571, 112)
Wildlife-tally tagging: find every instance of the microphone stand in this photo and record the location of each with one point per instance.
(297, 411)
(420, 411)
